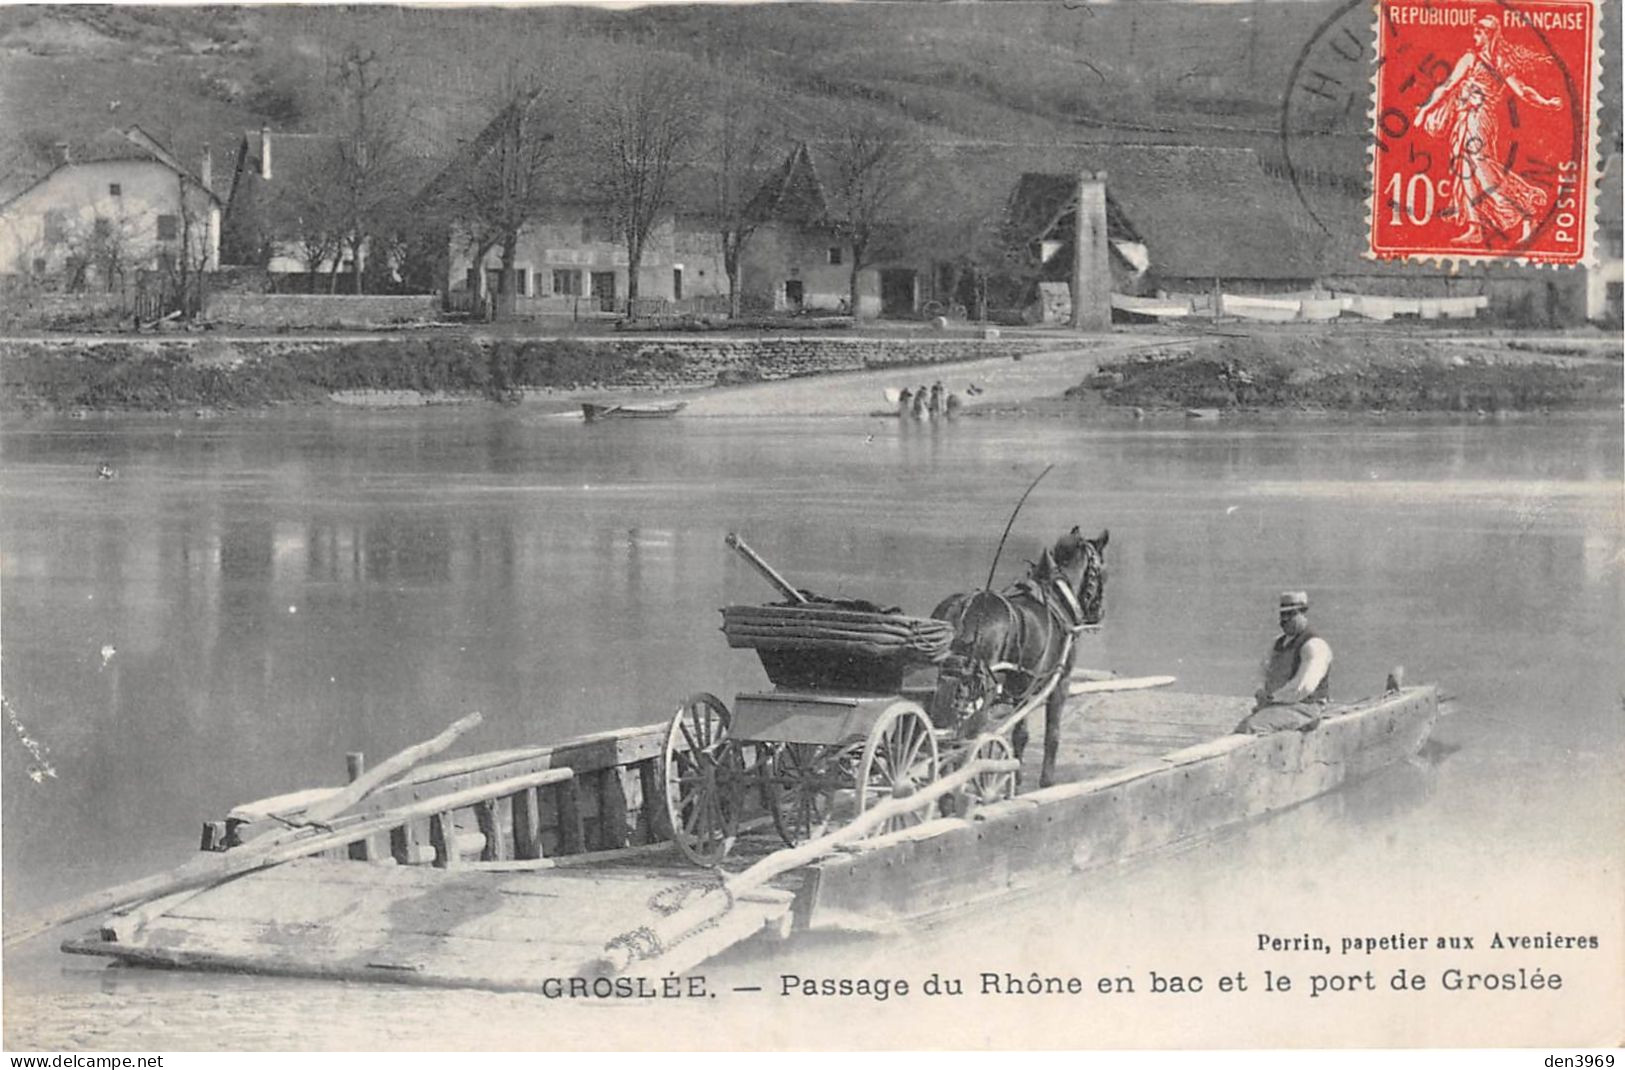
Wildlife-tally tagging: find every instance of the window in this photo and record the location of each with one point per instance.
(39, 265)
(115, 190)
(834, 254)
(522, 282)
(169, 227)
(566, 283)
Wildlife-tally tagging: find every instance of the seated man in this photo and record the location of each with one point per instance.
(1297, 674)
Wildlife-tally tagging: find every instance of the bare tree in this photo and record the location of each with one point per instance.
(743, 153)
(371, 172)
(188, 265)
(646, 127)
(871, 164)
(505, 182)
(104, 244)
(309, 221)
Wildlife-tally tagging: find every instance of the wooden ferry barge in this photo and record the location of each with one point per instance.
(514, 869)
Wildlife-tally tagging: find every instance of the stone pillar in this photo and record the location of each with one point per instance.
(1091, 265)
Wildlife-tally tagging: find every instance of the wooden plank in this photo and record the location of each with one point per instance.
(612, 831)
(572, 829)
(443, 837)
(527, 824)
(575, 907)
(495, 820)
(406, 843)
(655, 825)
(1128, 812)
(355, 764)
(598, 750)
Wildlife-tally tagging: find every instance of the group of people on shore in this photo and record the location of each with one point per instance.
(923, 404)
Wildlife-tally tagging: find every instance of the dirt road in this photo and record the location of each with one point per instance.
(999, 381)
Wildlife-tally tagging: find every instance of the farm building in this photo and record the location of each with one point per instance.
(107, 209)
(569, 256)
(279, 211)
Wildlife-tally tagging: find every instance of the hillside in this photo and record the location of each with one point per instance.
(1027, 73)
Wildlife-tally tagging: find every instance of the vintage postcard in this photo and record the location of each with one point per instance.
(1053, 526)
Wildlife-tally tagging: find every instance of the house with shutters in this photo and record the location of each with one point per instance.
(107, 209)
(570, 259)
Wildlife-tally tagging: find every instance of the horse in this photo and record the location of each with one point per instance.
(1008, 645)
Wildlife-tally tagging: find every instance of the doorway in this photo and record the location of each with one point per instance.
(897, 292)
(603, 290)
(794, 295)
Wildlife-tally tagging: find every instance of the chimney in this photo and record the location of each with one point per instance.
(205, 170)
(265, 152)
(1091, 266)
(60, 154)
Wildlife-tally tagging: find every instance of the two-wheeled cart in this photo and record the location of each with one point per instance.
(836, 735)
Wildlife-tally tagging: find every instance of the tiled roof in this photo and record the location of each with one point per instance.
(792, 193)
(1202, 212)
(110, 146)
(292, 155)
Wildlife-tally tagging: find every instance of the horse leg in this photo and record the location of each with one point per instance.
(1052, 732)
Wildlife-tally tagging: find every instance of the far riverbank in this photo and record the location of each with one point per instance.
(1233, 369)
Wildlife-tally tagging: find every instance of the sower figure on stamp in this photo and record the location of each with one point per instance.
(1470, 104)
(1297, 675)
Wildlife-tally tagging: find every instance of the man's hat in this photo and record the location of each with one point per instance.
(1294, 601)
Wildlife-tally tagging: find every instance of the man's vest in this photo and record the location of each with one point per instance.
(1284, 659)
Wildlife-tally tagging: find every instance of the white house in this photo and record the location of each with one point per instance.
(116, 204)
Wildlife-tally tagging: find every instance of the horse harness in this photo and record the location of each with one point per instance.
(1061, 609)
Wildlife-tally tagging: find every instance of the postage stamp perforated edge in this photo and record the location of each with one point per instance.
(1510, 258)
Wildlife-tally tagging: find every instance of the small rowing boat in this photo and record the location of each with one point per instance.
(646, 411)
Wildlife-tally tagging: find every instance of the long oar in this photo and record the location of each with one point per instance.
(222, 867)
(619, 954)
(335, 804)
(768, 572)
(212, 868)
(315, 815)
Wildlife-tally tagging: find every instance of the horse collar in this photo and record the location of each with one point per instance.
(1075, 611)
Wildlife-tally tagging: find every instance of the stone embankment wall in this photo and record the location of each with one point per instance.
(169, 372)
(706, 362)
(319, 310)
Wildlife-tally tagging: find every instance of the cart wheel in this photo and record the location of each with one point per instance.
(799, 783)
(899, 758)
(705, 774)
(990, 787)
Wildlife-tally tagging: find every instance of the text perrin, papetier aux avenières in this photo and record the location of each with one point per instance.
(1402, 941)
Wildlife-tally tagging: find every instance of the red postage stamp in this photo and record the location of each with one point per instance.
(1485, 130)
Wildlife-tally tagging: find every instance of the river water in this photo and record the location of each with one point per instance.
(251, 598)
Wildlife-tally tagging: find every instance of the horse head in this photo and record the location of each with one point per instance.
(1080, 563)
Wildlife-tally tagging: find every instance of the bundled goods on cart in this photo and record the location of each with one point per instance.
(827, 643)
(810, 641)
